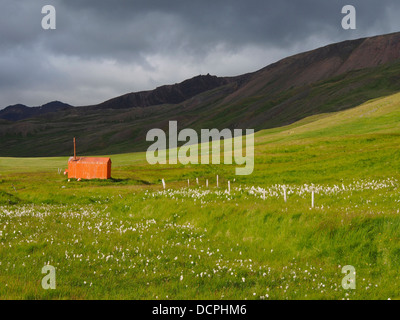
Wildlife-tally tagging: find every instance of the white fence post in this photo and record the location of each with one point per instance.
(229, 186)
(312, 199)
(163, 183)
(217, 181)
(284, 194)
(197, 181)
(207, 183)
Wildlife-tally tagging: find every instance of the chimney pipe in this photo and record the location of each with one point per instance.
(74, 149)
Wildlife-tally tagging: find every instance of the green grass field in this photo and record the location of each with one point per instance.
(127, 238)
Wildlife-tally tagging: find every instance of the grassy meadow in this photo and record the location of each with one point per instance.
(128, 238)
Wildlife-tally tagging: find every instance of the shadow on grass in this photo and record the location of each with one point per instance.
(8, 198)
(112, 181)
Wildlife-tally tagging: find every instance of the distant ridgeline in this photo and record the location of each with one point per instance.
(20, 111)
(332, 78)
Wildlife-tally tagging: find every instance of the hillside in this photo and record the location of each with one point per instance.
(127, 238)
(168, 94)
(19, 111)
(355, 143)
(329, 79)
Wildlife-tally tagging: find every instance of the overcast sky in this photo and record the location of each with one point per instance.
(101, 49)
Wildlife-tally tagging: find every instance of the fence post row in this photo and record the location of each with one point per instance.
(263, 193)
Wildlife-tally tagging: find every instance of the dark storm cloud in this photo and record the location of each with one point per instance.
(107, 27)
(103, 48)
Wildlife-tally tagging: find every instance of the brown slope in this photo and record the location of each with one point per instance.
(322, 63)
(168, 94)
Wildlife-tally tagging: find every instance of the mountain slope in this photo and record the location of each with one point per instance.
(169, 94)
(328, 79)
(19, 111)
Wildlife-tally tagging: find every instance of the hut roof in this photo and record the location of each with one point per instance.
(93, 160)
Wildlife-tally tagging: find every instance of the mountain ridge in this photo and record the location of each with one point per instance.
(166, 94)
(342, 61)
(327, 79)
(19, 111)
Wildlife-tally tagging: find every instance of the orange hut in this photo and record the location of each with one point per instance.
(88, 167)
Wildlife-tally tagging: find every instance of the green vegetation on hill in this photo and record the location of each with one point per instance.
(122, 131)
(126, 238)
